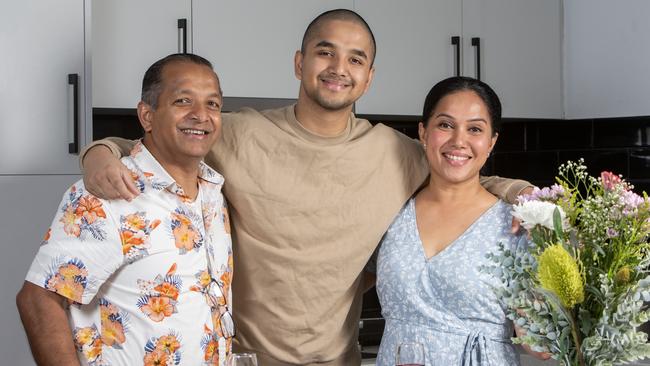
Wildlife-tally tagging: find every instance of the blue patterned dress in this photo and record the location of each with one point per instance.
(445, 302)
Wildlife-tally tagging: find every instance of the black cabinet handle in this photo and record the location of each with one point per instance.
(73, 79)
(182, 35)
(455, 40)
(476, 42)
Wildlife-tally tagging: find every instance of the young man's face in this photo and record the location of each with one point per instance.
(187, 121)
(335, 68)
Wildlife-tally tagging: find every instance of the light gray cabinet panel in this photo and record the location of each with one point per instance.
(521, 53)
(607, 54)
(414, 51)
(520, 44)
(129, 36)
(42, 42)
(27, 207)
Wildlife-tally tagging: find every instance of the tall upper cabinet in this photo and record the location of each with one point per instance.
(252, 42)
(42, 86)
(607, 54)
(515, 46)
(128, 36)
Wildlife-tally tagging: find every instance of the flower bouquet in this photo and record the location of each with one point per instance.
(578, 287)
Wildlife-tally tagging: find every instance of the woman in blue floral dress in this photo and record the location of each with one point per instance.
(430, 283)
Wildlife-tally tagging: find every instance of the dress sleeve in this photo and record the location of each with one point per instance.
(505, 188)
(81, 249)
(119, 147)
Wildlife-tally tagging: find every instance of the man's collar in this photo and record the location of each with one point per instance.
(159, 178)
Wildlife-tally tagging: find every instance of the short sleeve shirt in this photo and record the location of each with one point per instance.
(148, 280)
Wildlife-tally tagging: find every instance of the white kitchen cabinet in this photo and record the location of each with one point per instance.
(521, 53)
(414, 51)
(43, 42)
(607, 54)
(520, 44)
(28, 204)
(129, 36)
(252, 43)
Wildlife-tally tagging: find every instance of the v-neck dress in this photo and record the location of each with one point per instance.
(445, 302)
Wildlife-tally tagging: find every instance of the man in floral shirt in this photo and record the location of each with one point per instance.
(147, 281)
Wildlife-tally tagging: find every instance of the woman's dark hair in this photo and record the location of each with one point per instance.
(461, 83)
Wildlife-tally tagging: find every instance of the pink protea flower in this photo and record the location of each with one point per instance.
(610, 180)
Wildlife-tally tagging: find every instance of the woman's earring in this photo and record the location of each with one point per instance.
(424, 145)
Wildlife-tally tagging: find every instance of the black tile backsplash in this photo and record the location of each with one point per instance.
(536, 165)
(622, 132)
(640, 164)
(597, 161)
(116, 122)
(562, 134)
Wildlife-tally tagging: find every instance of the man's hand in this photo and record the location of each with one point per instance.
(516, 224)
(106, 177)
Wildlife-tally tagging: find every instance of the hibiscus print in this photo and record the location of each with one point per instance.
(68, 279)
(135, 231)
(210, 347)
(88, 342)
(83, 214)
(163, 351)
(186, 236)
(114, 324)
(159, 297)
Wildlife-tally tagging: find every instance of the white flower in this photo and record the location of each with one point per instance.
(532, 213)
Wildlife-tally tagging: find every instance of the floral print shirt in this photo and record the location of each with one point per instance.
(148, 281)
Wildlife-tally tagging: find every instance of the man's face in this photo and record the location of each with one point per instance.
(187, 121)
(335, 68)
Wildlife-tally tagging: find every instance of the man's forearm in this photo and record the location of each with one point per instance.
(46, 323)
(505, 188)
(117, 146)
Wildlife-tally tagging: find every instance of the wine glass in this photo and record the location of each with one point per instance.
(410, 354)
(242, 359)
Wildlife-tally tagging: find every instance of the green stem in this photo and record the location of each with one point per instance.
(576, 340)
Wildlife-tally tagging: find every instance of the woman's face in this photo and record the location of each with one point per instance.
(458, 137)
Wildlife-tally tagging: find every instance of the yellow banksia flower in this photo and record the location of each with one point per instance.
(558, 272)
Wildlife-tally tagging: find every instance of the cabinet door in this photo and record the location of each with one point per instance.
(251, 43)
(43, 42)
(607, 58)
(414, 51)
(127, 37)
(521, 44)
(28, 207)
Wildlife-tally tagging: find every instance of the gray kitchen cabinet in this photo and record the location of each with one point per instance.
(127, 37)
(28, 204)
(46, 55)
(414, 51)
(520, 52)
(252, 43)
(43, 43)
(607, 54)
